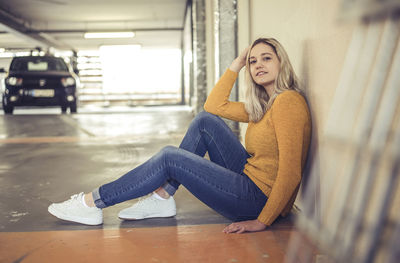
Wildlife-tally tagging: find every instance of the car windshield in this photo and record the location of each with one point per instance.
(38, 64)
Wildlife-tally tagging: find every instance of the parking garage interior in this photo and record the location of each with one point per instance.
(144, 69)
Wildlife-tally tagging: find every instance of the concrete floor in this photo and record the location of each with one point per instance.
(45, 157)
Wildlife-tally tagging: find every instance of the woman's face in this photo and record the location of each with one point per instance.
(264, 65)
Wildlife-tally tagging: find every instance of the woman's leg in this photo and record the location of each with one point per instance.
(206, 132)
(231, 194)
(219, 183)
(209, 133)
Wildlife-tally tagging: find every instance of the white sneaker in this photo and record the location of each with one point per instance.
(74, 210)
(149, 207)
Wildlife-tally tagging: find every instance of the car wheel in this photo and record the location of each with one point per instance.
(63, 109)
(73, 108)
(7, 109)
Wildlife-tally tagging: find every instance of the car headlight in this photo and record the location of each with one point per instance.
(68, 81)
(13, 81)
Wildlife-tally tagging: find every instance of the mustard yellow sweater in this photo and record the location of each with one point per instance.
(278, 143)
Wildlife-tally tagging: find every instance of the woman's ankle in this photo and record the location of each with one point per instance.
(88, 198)
(161, 192)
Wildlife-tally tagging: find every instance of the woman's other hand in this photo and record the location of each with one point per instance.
(240, 61)
(245, 226)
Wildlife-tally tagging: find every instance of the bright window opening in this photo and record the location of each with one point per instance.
(131, 69)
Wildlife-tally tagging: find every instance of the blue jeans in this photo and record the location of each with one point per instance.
(219, 182)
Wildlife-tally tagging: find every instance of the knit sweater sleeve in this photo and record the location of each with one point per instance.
(289, 117)
(218, 101)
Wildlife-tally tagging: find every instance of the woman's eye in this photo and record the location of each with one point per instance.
(267, 58)
(252, 61)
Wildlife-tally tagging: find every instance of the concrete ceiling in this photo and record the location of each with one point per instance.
(62, 23)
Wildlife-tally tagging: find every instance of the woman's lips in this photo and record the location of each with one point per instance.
(261, 73)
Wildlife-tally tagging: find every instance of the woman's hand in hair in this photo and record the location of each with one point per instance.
(240, 61)
(245, 226)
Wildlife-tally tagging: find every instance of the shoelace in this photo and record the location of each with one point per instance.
(74, 197)
(145, 199)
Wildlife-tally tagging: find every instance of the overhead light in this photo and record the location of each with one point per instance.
(120, 47)
(6, 55)
(109, 35)
(2, 50)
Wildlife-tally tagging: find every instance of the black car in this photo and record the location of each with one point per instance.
(40, 81)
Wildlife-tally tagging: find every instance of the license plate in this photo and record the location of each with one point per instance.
(43, 93)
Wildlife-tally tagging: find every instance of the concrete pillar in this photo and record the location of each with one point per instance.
(199, 55)
(225, 37)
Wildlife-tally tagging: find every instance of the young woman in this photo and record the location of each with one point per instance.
(251, 186)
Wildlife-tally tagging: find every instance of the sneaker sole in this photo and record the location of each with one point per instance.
(147, 217)
(85, 221)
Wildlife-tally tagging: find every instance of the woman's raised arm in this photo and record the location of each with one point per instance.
(240, 61)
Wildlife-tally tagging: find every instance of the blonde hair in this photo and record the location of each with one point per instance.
(257, 99)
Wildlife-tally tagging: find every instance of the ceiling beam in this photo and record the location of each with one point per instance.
(64, 31)
(21, 30)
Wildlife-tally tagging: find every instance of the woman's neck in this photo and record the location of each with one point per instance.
(270, 89)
